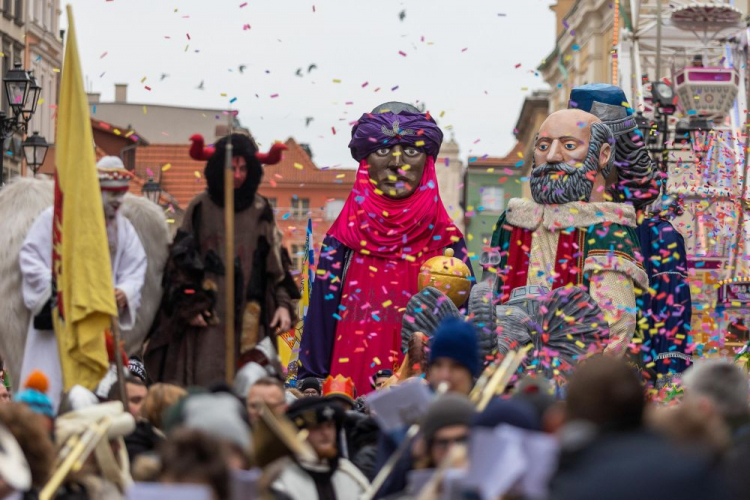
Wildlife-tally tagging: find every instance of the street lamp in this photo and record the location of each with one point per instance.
(35, 150)
(32, 100)
(152, 190)
(22, 93)
(17, 82)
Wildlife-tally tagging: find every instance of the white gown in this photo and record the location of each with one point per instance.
(128, 272)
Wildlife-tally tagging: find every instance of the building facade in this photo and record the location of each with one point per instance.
(43, 56)
(13, 34)
(450, 175)
(489, 183)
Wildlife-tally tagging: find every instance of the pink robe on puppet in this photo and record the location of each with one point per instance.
(390, 240)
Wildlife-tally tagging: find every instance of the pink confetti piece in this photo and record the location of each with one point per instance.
(188, 35)
(245, 27)
(274, 96)
(401, 52)
(243, 5)
(103, 55)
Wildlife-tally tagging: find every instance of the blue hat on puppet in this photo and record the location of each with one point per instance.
(34, 394)
(606, 102)
(597, 98)
(457, 340)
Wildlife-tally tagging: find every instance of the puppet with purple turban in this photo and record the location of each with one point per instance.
(392, 222)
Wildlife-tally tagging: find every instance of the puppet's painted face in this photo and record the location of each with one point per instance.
(397, 170)
(570, 150)
(112, 200)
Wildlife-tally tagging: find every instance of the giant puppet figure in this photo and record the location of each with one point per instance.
(187, 346)
(128, 260)
(392, 222)
(568, 235)
(666, 305)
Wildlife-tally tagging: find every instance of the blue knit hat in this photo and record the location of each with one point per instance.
(457, 340)
(37, 401)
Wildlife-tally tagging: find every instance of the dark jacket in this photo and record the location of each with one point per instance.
(634, 464)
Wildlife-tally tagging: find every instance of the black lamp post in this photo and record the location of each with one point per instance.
(152, 190)
(35, 150)
(22, 94)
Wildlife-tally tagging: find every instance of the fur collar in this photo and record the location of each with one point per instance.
(529, 214)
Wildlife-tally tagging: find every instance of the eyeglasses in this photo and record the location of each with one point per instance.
(445, 443)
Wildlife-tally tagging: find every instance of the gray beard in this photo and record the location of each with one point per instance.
(558, 183)
(112, 236)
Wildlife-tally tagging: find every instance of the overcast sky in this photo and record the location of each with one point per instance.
(471, 61)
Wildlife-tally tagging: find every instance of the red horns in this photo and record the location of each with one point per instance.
(199, 151)
(273, 156)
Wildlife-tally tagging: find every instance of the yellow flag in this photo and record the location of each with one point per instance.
(82, 274)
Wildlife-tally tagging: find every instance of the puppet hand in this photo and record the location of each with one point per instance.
(282, 319)
(121, 298)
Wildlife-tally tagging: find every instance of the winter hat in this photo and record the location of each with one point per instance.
(381, 373)
(138, 370)
(35, 396)
(447, 410)
(246, 377)
(457, 340)
(219, 415)
(515, 412)
(310, 383)
(313, 411)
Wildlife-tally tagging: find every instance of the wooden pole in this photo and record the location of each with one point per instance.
(229, 261)
(116, 340)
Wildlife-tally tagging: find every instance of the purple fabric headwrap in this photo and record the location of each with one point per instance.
(373, 131)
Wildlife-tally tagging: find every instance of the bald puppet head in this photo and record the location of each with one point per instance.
(572, 158)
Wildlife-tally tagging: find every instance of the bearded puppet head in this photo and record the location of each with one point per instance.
(637, 180)
(572, 158)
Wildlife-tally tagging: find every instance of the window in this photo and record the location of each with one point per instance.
(333, 209)
(8, 8)
(19, 12)
(300, 207)
(493, 198)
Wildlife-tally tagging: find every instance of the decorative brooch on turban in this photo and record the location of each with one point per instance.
(395, 123)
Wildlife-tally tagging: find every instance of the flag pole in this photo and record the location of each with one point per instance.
(229, 257)
(118, 361)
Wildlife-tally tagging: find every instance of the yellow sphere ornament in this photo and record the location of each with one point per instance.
(448, 274)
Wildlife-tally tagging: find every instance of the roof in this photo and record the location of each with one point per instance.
(296, 167)
(171, 165)
(125, 132)
(538, 100)
(511, 159)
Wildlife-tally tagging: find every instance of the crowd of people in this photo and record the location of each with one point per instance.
(605, 439)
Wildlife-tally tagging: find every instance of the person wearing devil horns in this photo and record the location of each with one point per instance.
(392, 222)
(186, 346)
